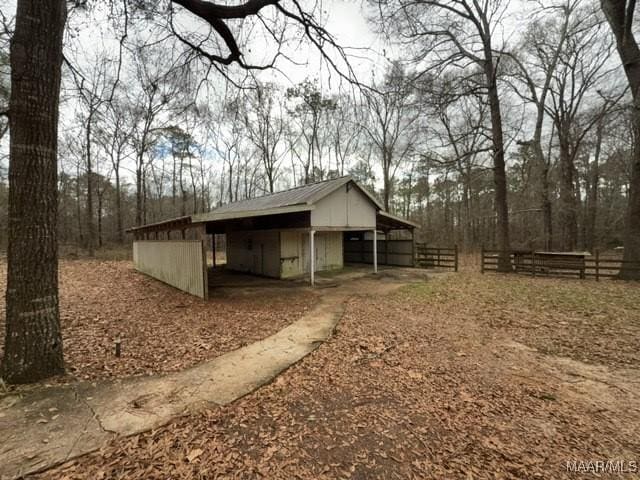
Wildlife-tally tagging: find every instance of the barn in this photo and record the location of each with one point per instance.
(275, 235)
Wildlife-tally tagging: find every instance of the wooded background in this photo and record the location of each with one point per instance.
(148, 132)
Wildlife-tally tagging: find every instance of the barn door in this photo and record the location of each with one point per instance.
(258, 260)
(321, 251)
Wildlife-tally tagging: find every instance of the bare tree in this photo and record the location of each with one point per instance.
(391, 126)
(581, 72)
(461, 126)
(263, 118)
(95, 91)
(346, 132)
(310, 110)
(536, 63)
(459, 35)
(114, 135)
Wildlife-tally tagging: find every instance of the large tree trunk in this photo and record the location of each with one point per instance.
(499, 173)
(33, 343)
(620, 18)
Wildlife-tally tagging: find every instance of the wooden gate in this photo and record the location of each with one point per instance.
(437, 257)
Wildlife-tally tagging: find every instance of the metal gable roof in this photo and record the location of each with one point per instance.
(304, 195)
(297, 199)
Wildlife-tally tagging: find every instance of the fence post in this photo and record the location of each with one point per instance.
(533, 263)
(482, 259)
(597, 264)
(438, 256)
(455, 251)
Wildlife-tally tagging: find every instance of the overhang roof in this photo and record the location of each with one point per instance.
(219, 214)
(173, 223)
(387, 221)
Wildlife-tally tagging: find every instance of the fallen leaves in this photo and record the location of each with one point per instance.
(424, 384)
(193, 454)
(161, 328)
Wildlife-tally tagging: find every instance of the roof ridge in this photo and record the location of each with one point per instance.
(286, 190)
(305, 185)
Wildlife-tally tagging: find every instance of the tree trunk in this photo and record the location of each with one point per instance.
(499, 174)
(91, 230)
(620, 18)
(543, 170)
(33, 342)
(80, 236)
(567, 208)
(119, 205)
(593, 180)
(99, 217)
(139, 187)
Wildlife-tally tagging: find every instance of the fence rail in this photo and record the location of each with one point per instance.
(440, 257)
(559, 264)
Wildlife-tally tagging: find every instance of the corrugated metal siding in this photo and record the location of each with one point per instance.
(179, 263)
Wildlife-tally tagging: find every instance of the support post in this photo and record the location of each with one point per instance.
(386, 247)
(533, 263)
(597, 264)
(413, 249)
(312, 256)
(482, 258)
(213, 249)
(375, 251)
(455, 258)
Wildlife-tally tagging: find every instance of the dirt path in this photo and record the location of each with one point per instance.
(52, 425)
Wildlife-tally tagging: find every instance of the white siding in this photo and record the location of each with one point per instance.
(295, 252)
(346, 207)
(256, 252)
(328, 251)
(292, 260)
(179, 263)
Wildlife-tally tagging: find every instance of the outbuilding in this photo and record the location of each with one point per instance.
(274, 235)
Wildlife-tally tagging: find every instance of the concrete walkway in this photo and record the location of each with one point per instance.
(52, 425)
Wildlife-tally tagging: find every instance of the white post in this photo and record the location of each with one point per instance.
(375, 251)
(312, 256)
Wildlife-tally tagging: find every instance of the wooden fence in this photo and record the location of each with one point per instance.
(558, 264)
(390, 252)
(441, 257)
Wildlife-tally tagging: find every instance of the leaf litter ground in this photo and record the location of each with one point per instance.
(465, 376)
